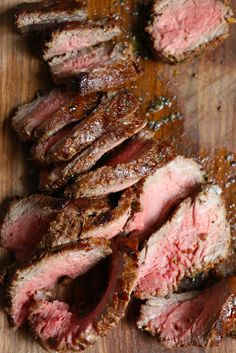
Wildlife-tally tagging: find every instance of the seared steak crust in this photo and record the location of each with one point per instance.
(200, 318)
(59, 176)
(43, 14)
(79, 333)
(107, 180)
(43, 271)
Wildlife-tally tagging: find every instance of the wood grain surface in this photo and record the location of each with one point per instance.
(206, 93)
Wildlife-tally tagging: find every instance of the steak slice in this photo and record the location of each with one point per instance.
(106, 78)
(30, 116)
(42, 272)
(26, 221)
(195, 239)
(53, 179)
(111, 179)
(110, 112)
(40, 15)
(182, 28)
(59, 327)
(201, 318)
(76, 109)
(75, 36)
(156, 199)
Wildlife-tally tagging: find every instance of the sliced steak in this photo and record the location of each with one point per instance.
(76, 36)
(182, 28)
(30, 116)
(24, 282)
(156, 198)
(201, 318)
(195, 239)
(76, 109)
(59, 327)
(106, 78)
(109, 112)
(40, 15)
(26, 221)
(111, 179)
(59, 176)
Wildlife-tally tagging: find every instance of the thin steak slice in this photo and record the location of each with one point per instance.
(200, 318)
(53, 179)
(106, 78)
(109, 112)
(76, 109)
(30, 116)
(182, 28)
(111, 179)
(40, 15)
(58, 326)
(26, 221)
(194, 240)
(156, 198)
(23, 283)
(75, 36)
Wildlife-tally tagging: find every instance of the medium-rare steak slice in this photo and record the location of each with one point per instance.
(195, 239)
(76, 35)
(75, 62)
(106, 78)
(76, 109)
(71, 226)
(26, 221)
(156, 199)
(181, 28)
(40, 15)
(42, 272)
(30, 116)
(118, 108)
(111, 179)
(59, 176)
(200, 318)
(58, 326)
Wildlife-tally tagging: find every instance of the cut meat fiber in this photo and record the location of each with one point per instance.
(42, 272)
(41, 15)
(200, 318)
(182, 28)
(76, 333)
(109, 112)
(75, 36)
(194, 240)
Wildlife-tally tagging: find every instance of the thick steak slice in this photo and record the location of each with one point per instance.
(26, 221)
(76, 109)
(58, 326)
(201, 318)
(111, 179)
(195, 239)
(156, 198)
(24, 282)
(76, 36)
(30, 116)
(105, 78)
(118, 108)
(59, 176)
(75, 62)
(182, 28)
(40, 15)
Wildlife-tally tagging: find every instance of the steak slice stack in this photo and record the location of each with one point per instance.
(200, 318)
(24, 282)
(57, 325)
(43, 14)
(183, 28)
(194, 240)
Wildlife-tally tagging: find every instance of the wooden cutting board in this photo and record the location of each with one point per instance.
(206, 92)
